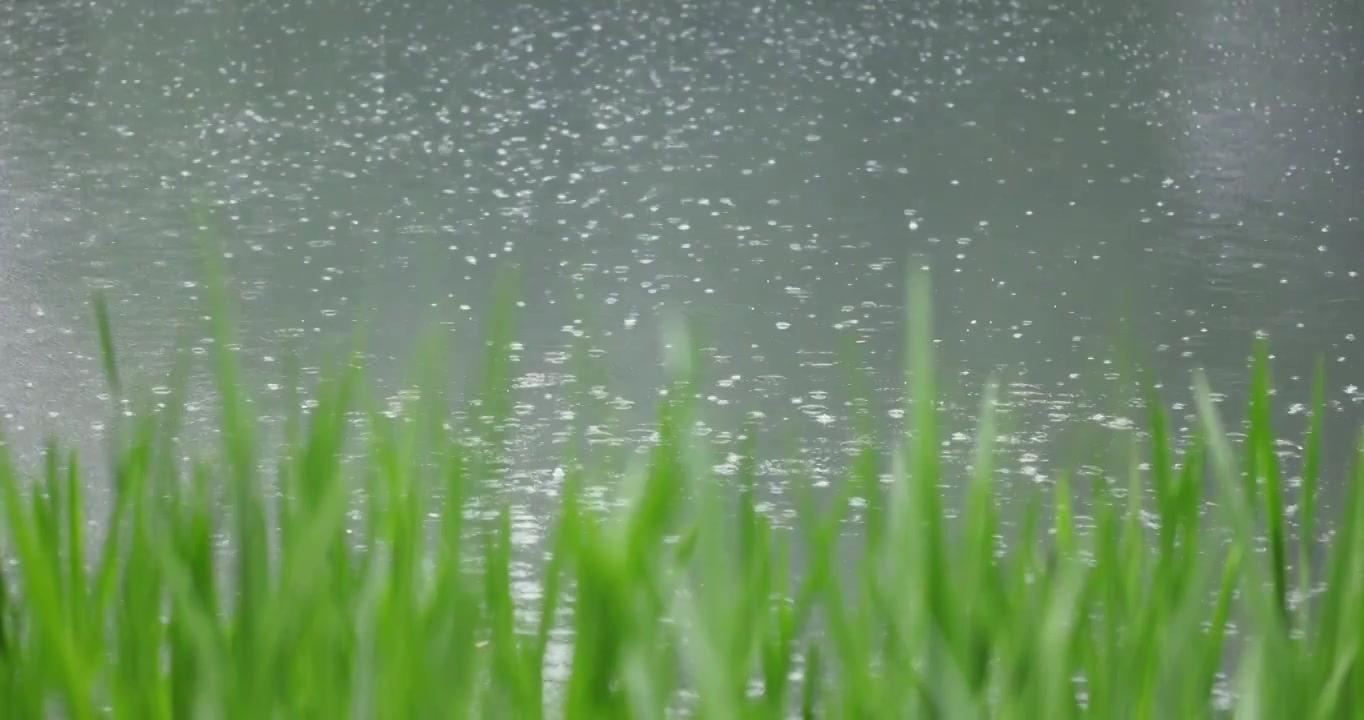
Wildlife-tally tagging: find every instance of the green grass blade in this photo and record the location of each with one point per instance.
(1307, 494)
(1268, 465)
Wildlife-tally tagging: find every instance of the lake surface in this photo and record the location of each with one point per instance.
(1091, 184)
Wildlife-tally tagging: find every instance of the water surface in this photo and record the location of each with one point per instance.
(1091, 184)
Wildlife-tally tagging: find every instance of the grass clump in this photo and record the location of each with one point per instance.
(370, 590)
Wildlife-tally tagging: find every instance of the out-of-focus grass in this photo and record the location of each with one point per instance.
(210, 598)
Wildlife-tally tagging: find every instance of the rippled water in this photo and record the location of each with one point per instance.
(1091, 184)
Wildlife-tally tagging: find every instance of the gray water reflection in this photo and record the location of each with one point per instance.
(1192, 172)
